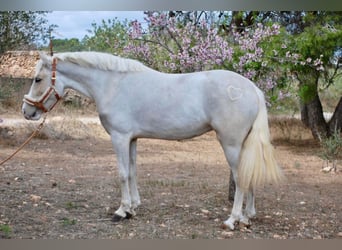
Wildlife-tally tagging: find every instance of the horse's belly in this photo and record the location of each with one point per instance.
(172, 130)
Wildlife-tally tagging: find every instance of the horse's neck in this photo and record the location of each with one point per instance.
(82, 80)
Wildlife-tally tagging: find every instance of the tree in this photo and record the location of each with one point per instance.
(111, 36)
(67, 45)
(311, 51)
(22, 29)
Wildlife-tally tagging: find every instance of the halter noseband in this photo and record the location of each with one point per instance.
(39, 102)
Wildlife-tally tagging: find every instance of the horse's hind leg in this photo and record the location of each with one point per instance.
(250, 204)
(232, 154)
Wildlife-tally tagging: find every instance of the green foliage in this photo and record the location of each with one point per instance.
(68, 45)
(70, 205)
(309, 54)
(21, 29)
(307, 92)
(318, 42)
(68, 222)
(111, 36)
(6, 230)
(332, 147)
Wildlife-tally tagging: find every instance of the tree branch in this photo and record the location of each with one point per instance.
(155, 42)
(174, 39)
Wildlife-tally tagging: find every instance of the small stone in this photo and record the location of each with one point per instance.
(48, 204)
(339, 234)
(205, 211)
(326, 169)
(276, 236)
(35, 198)
(227, 234)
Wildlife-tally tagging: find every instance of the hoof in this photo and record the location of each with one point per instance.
(128, 215)
(244, 222)
(117, 218)
(227, 225)
(243, 225)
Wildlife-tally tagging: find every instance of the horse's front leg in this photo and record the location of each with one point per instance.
(133, 176)
(121, 144)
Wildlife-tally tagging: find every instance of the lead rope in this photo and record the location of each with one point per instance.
(34, 133)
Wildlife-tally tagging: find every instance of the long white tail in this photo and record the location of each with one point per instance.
(257, 163)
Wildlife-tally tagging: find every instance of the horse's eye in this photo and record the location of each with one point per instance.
(37, 79)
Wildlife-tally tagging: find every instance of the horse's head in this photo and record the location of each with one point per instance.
(44, 92)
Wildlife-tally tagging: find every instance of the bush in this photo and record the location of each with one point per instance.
(332, 149)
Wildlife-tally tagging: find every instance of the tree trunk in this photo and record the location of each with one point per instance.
(311, 106)
(335, 123)
(312, 117)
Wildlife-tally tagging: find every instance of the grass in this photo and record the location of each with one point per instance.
(5, 230)
(331, 149)
(70, 205)
(68, 222)
(166, 183)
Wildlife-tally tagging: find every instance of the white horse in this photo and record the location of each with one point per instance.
(135, 101)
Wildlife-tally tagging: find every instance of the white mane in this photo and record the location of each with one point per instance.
(102, 61)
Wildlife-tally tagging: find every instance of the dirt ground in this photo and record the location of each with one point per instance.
(64, 184)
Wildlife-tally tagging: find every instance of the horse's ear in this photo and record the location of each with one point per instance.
(45, 58)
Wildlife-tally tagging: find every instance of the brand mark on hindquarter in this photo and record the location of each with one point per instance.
(234, 93)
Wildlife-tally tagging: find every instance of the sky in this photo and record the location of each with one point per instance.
(74, 24)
